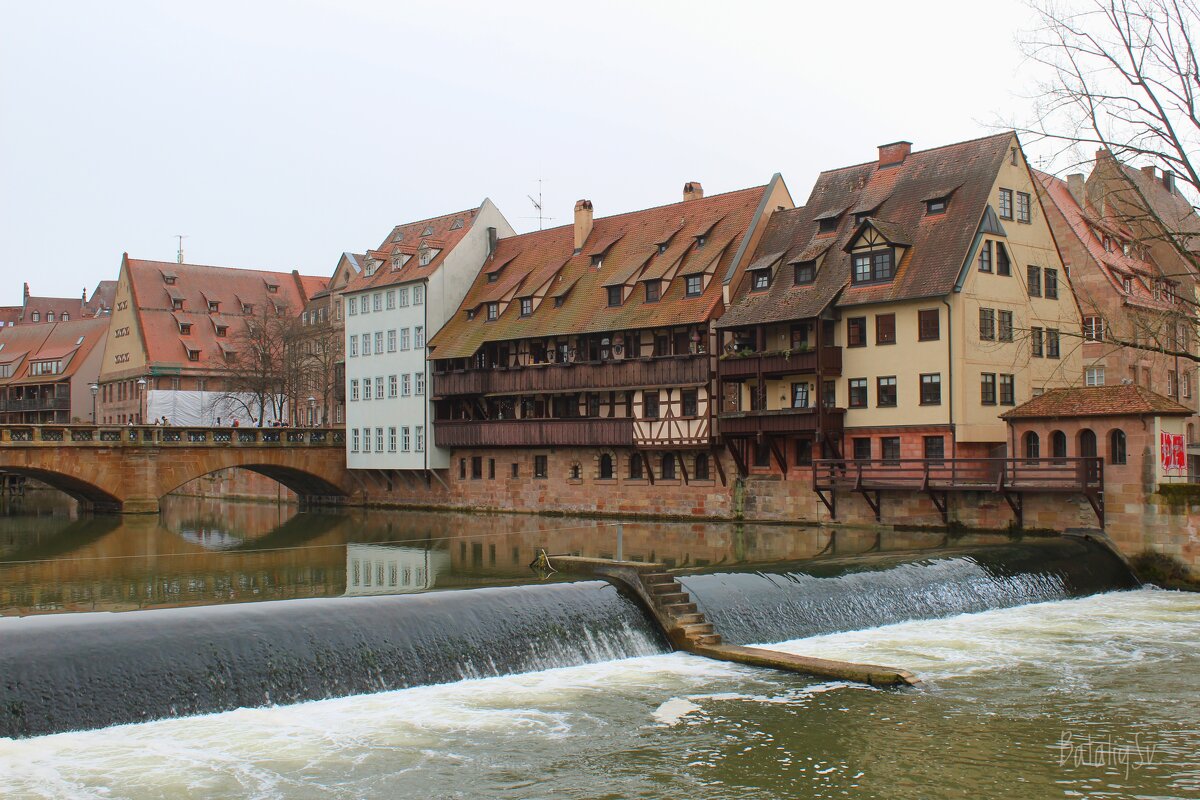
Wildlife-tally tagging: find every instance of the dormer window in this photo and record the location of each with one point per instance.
(493, 311)
(804, 272)
(213, 306)
(185, 328)
(760, 280)
(827, 224)
(193, 354)
(662, 248)
(470, 313)
(398, 260)
(873, 266)
(693, 286)
(169, 280)
(526, 306)
(272, 288)
(597, 261)
(428, 231)
(493, 277)
(701, 240)
(424, 256)
(222, 330)
(558, 301)
(653, 291)
(614, 295)
(860, 216)
(458, 223)
(936, 205)
(49, 316)
(66, 317)
(399, 237)
(247, 309)
(176, 304)
(37, 316)
(371, 267)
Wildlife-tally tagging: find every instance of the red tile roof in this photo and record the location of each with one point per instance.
(438, 233)
(69, 342)
(544, 263)
(196, 285)
(1098, 401)
(895, 198)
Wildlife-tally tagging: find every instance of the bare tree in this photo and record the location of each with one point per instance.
(257, 374)
(314, 352)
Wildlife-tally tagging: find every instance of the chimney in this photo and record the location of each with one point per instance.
(894, 153)
(492, 239)
(692, 190)
(26, 291)
(1168, 180)
(1148, 171)
(583, 223)
(1075, 187)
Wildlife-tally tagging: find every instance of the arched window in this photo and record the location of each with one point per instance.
(668, 466)
(606, 467)
(635, 466)
(1087, 443)
(1033, 445)
(701, 469)
(1116, 447)
(1058, 444)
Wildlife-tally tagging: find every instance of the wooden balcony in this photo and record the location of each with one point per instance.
(584, 432)
(779, 422)
(780, 363)
(626, 373)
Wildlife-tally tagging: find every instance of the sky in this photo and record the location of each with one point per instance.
(276, 135)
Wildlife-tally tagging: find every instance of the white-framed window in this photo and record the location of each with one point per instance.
(420, 439)
(354, 393)
(419, 383)
(392, 341)
(418, 295)
(403, 296)
(404, 338)
(378, 341)
(353, 346)
(392, 440)
(354, 440)
(377, 300)
(1093, 329)
(364, 304)
(353, 308)
(1093, 376)
(379, 387)
(404, 439)
(392, 385)
(405, 385)
(419, 337)
(379, 440)
(366, 344)
(391, 299)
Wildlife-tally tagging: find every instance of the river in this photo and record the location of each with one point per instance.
(1087, 697)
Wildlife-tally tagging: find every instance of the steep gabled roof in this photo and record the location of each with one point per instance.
(630, 244)
(67, 342)
(405, 240)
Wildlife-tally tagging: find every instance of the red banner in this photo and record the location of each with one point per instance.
(1172, 451)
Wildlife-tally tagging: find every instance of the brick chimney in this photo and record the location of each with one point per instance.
(492, 240)
(1168, 179)
(26, 292)
(894, 153)
(583, 223)
(1075, 187)
(1148, 171)
(692, 190)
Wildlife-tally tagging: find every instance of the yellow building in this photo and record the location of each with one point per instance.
(907, 304)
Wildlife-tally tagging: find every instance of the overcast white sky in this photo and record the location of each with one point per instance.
(278, 134)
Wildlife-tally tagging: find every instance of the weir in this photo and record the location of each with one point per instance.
(79, 671)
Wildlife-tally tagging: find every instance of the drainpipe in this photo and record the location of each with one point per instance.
(950, 375)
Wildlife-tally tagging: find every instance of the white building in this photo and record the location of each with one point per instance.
(373, 569)
(407, 290)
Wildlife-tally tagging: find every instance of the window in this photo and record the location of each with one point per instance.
(862, 449)
(419, 337)
(827, 224)
(1008, 390)
(1058, 444)
(404, 440)
(1006, 326)
(353, 346)
(858, 392)
(935, 448)
(606, 467)
(418, 295)
(392, 438)
(391, 299)
(885, 391)
(1170, 383)
(1093, 329)
(1036, 340)
(985, 256)
(653, 289)
(526, 306)
(936, 205)
(354, 440)
(353, 308)
(420, 438)
(987, 388)
(1185, 382)
(540, 468)
(354, 388)
(931, 389)
(1035, 280)
(493, 311)
(378, 341)
(1023, 208)
(185, 328)
(379, 387)
(700, 470)
(799, 395)
(1093, 376)
(1117, 447)
(1006, 204)
(890, 446)
(1033, 446)
(393, 386)
(405, 385)
(377, 301)
(690, 402)
(379, 440)
(1052, 343)
(1050, 284)
(856, 332)
(987, 324)
(391, 340)
(804, 272)
(694, 285)
(885, 329)
(667, 470)
(1003, 264)
(650, 404)
(402, 296)
(928, 325)
(871, 267)
(635, 467)
(614, 295)
(366, 344)
(760, 280)
(404, 344)
(476, 468)
(462, 474)
(419, 384)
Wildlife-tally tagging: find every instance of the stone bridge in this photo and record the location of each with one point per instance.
(130, 468)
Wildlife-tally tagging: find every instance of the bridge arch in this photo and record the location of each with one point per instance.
(303, 483)
(92, 496)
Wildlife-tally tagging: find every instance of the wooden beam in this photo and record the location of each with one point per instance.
(682, 469)
(780, 456)
(646, 464)
(738, 461)
(716, 457)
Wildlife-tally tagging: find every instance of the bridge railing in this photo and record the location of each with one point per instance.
(169, 436)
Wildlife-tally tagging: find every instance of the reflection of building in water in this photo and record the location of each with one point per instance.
(210, 538)
(380, 569)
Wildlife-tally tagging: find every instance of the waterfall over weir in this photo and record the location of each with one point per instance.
(92, 670)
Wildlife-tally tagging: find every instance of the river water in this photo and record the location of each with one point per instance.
(1087, 697)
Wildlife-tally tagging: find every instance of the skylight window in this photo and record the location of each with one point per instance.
(827, 225)
(936, 205)
(458, 223)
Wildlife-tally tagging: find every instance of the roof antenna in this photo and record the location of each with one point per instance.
(179, 253)
(537, 204)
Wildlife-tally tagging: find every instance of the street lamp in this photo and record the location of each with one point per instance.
(312, 413)
(141, 384)
(95, 387)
